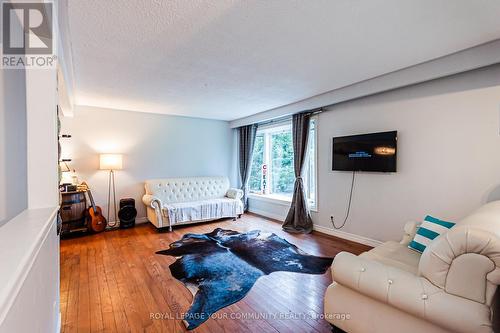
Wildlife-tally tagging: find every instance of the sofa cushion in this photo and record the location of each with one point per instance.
(428, 231)
(202, 210)
(174, 190)
(396, 255)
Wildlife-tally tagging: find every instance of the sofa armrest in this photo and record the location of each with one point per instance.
(152, 201)
(410, 229)
(410, 293)
(465, 262)
(234, 193)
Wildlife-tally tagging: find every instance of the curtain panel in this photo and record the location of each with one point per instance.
(246, 136)
(299, 217)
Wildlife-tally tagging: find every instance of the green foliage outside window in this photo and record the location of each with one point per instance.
(283, 176)
(255, 183)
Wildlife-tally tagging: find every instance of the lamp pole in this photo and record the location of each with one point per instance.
(111, 183)
(111, 162)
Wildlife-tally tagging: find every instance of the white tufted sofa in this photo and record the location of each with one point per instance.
(449, 288)
(191, 199)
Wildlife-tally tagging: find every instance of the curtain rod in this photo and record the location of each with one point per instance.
(289, 116)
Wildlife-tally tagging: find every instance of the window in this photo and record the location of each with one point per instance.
(255, 182)
(272, 174)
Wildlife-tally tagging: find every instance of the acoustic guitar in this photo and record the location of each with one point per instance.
(96, 222)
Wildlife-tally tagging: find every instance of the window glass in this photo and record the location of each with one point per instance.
(255, 182)
(282, 173)
(310, 172)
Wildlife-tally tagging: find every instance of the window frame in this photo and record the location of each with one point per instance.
(313, 206)
(267, 132)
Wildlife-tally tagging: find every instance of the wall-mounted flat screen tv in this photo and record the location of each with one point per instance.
(375, 152)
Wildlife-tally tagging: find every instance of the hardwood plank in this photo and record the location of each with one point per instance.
(121, 320)
(108, 319)
(114, 282)
(67, 264)
(83, 292)
(70, 316)
(132, 300)
(96, 321)
(144, 286)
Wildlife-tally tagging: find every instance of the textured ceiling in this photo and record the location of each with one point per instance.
(229, 59)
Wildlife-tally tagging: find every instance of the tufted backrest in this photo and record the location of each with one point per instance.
(486, 218)
(173, 190)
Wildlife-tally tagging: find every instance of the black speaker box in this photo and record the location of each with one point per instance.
(127, 213)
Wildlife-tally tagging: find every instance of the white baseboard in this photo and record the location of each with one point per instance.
(324, 230)
(347, 235)
(138, 220)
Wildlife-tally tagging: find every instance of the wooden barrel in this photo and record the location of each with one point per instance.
(73, 206)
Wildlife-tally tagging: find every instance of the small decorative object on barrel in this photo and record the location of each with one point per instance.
(127, 213)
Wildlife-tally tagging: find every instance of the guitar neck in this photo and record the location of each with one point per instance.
(92, 203)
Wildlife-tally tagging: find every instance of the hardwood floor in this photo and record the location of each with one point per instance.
(114, 282)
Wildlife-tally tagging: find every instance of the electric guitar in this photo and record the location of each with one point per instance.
(96, 222)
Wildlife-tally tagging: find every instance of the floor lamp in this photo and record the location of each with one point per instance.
(111, 162)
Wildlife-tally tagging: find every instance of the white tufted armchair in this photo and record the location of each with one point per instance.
(449, 288)
(173, 201)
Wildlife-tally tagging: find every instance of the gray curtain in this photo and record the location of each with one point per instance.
(299, 218)
(246, 142)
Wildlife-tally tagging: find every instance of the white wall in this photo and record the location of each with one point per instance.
(154, 146)
(41, 106)
(448, 155)
(275, 210)
(13, 156)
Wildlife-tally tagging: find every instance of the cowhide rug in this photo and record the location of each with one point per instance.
(221, 267)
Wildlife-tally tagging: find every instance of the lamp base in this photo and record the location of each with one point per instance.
(112, 228)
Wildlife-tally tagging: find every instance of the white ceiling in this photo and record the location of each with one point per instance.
(226, 59)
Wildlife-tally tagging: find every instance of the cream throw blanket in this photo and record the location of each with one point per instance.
(202, 210)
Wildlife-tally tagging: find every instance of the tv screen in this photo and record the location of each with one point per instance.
(366, 152)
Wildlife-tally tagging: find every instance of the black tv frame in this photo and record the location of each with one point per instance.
(394, 135)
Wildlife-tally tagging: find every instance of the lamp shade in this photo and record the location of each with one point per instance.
(110, 162)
